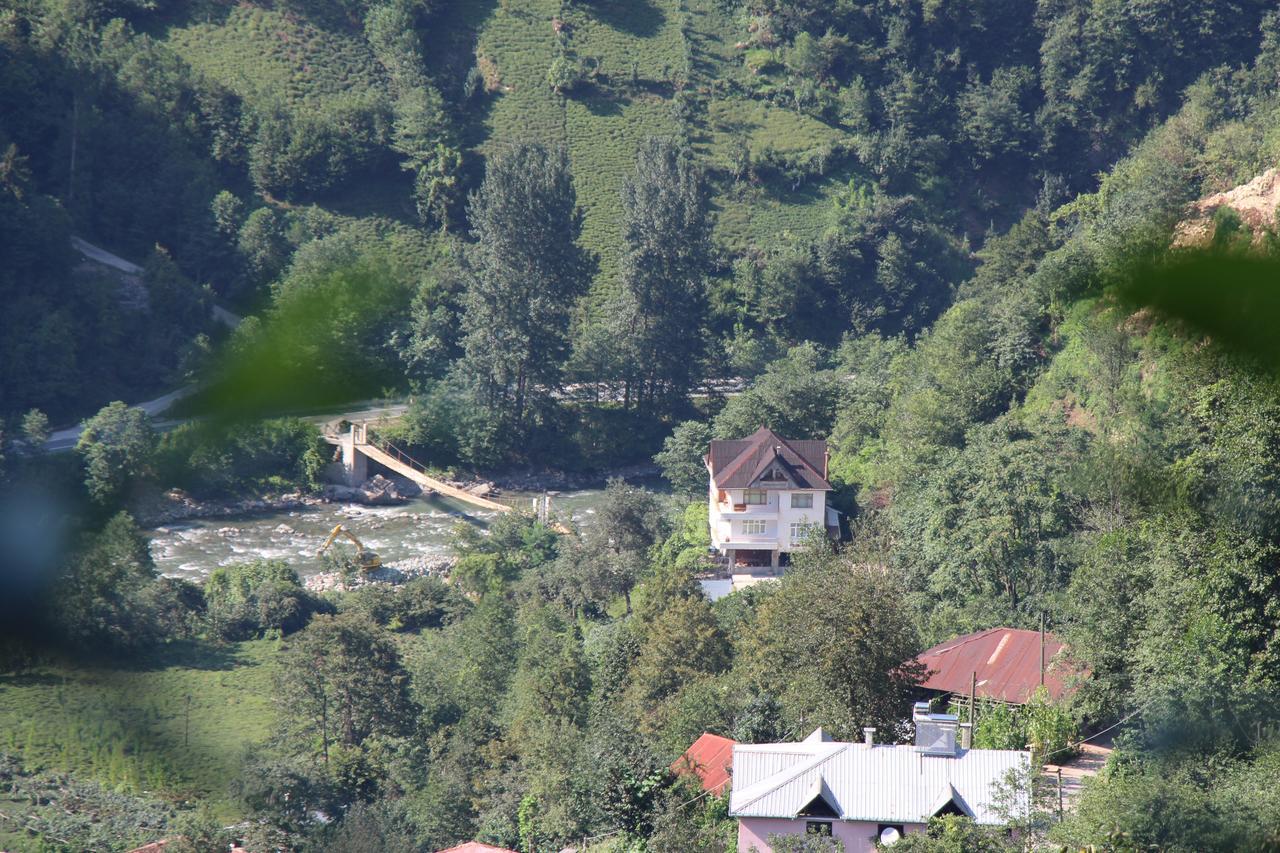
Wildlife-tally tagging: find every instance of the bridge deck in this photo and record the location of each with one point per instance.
(407, 469)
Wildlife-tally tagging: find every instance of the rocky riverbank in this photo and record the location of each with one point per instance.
(398, 572)
(545, 480)
(177, 505)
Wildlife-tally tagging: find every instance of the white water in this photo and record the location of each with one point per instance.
(418, 528)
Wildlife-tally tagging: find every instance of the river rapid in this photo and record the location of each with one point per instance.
(419, 528)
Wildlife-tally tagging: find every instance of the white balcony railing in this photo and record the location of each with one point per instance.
(747, 510)
(740, 539)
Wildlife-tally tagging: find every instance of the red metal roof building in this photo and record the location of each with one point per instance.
(1006, 662)
(710, 758)
(476, 847)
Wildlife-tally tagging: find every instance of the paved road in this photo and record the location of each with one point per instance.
(65, 439)
(100, 255)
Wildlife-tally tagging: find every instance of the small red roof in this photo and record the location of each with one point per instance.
(1006, 661)
(710, 758)
(476, 847)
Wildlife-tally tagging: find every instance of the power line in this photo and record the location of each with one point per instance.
(1083, 741)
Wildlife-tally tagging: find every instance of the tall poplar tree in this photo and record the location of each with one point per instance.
(667, 238)
(524, 272)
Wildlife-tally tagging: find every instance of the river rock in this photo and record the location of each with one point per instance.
(284, 528)
(376, 491)
(391, 574)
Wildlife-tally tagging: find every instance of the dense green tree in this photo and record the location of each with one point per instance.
(263, 241)
(796, 398)
(991, 519)
(421, 131)
(838, 643)
(116, 446)
(552, 674)
(662, 302)
(628, 522)
(423, 602)
(681, 642)
(110, 595)
(342, 682)
(35, 429)
(682, 456)
(524, 274)
(247, 599)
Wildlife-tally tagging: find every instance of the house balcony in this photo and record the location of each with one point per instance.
(747, 510)
(739, 540)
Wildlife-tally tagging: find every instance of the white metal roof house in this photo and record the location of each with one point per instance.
(766, 494)
(859, 793)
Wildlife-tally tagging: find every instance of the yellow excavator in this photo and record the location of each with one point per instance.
(366, 559)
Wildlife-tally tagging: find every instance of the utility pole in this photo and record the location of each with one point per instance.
(1042, 648)
(973, 688)
(1059, 795)
(75, 133)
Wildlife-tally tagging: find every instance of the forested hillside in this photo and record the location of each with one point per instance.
(853, 156)
(944, 236)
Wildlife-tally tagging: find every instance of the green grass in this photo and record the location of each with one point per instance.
(124, 726)
(261, 54)
(641, 48)
(760, 215)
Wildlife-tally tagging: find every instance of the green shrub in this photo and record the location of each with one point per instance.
(425, 602)
(283, 452)
(250, 599)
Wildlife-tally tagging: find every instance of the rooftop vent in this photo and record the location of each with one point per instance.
(935, 733)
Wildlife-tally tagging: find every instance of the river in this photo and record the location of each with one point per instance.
(417, 528)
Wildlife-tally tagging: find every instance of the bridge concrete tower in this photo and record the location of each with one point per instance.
(355, 465)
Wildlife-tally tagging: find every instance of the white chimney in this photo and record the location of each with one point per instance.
(966, 735)
(869, 736)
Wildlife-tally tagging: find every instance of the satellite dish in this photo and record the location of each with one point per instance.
(890, 836)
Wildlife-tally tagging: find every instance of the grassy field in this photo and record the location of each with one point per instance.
(641, 53)
(263, 53)
(127, 727)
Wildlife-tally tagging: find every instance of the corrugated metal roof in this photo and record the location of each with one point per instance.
(1007, 663)
(476, 847)
(738, 464)
(882, 783)
(710, 758)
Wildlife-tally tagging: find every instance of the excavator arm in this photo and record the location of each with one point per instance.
(368, 560)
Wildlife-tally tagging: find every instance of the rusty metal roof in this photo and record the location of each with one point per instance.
(740, 464)
(477, 847)
(710, 758)
(1006, 661)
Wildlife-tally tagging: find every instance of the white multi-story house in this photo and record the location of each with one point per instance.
(767, 496)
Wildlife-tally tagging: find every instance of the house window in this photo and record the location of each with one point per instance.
(753, 528)
(758, 497)
(818, 827)
(774, 475)
(797, 530)
(804, 501)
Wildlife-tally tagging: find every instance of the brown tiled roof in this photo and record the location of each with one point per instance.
(739, 464)
(1006, 661)
(710, 758)
(476, 847)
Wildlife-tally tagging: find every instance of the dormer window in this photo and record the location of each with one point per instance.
(774, 475)
(755, 497)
